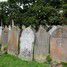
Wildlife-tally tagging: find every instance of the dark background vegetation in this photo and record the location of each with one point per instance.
(34, 12)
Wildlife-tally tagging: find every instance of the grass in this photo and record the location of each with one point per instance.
(11, 61)
(64, 64)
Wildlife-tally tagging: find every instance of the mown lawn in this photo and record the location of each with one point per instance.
(11, 61)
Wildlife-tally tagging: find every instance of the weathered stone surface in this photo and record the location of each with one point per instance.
(0, 34)
(13, 41)
(26, 44)
(41, 49)
(56, 65)
(4, 38)
(58, 45)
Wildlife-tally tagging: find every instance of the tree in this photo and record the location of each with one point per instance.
(12, 10)
(41, 13)
(56, 3)
(34, 12)
(65, 12)
(4, 12)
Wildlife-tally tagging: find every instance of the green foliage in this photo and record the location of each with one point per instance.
(49, 59)
(0, 47)
(64, 6)
(64, 64)
(5, 47)
(44, 14)
(39, 13)
(65, 14)
(56, 3)
(4, 12)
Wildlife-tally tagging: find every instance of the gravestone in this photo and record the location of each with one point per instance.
(4, 38)
(0, 37)
(13, 41)
(41, 49)
(0, 34)
(64, 44)
(58, 44)
(26, 44)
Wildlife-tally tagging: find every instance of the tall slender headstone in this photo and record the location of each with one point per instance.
(41, 50)
(64, 44)
(55, 44)
(0, 37)
(0, 34)
(26, 44)
(13, 41)
(4, 38)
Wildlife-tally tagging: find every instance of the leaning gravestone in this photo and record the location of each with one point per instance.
(58, 44)
(26, 44)
(13, 41)
(41, 49)
(4, 38)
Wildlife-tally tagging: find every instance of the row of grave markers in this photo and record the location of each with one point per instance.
(29, 44)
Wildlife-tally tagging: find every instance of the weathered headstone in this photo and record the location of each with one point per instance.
(13, 41)
(41, 49)
(64, 44)
(0, 37)
(26, 44)
(58, 44)
(0, 34)
(4, 38)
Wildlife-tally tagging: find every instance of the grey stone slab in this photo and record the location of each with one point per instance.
(13, 41)
(41, 49)
(5, 38)
(0, 34)
(26, 44)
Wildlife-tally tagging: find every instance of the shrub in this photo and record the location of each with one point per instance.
(49, 59)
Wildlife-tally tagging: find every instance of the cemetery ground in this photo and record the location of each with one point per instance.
(7, 60)
(12, 61)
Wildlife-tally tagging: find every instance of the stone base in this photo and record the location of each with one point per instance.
(25, 58)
